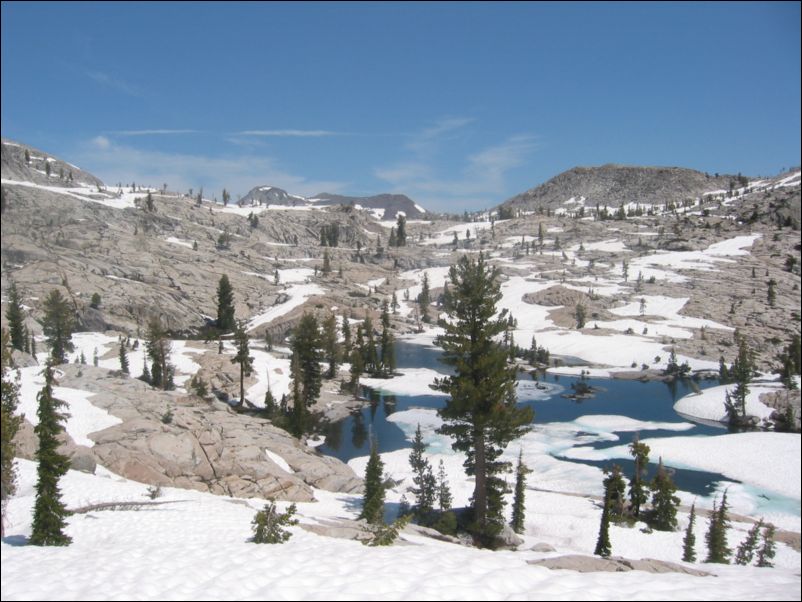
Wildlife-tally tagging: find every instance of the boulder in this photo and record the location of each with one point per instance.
(592, 564)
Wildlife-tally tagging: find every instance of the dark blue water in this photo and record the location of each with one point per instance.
(646, 401)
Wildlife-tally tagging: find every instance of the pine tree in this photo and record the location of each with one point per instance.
(664, 503)
(370, 354)
(267, 524)
(766, 551)
(519, 504)
(637, 490)
(373, 500)
(394, 304)
(16, 319)
(159, 346)
(306, 348)
(771, 293)
(401, 231)
(740, 373)
(299, 419)
(746, 551)
(242, 357)
(326, 264)
(357, 368)
(49, 511)
(425, 484)
(9, 425)
(346, 328)
(444, 497)
(424, 298)
(385, 535)
(716, 536)
(57, 326)
(614, 488)
(603, 547)
(581, 316)
(225, 305)
(387, 343)
(331, 349)
(481, 413)
(145, 376)
(124, 367)
(689, 540)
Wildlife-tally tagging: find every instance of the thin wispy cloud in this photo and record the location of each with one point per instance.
(442, 130)
(163, 132)
(482, 179)
(289, 133)
(115, 83)
(118, 163)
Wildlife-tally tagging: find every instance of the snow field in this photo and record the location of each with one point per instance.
(197, 548)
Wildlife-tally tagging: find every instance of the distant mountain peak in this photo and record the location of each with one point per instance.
(383, 206)
(612, 184)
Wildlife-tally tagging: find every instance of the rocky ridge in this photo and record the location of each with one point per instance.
(171, 439)
(610, 185)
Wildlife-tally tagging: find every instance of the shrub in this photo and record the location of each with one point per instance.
(268, 523)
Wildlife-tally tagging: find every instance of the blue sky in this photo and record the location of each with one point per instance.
(459, 106)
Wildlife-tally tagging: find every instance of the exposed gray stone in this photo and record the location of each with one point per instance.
(543, 547)
(206, 446)
(592, 564)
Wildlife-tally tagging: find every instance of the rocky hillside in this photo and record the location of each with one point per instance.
(390, 203)
(27, 164)
(611, 185)
(382, 206)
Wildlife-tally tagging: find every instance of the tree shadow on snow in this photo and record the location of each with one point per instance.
(16, 540)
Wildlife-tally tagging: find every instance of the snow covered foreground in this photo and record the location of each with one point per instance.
(196, 548)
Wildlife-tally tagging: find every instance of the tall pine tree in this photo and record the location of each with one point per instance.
(299, 419)
(16, 319)
(331, 348)
(746, 551)
(481, 413)
(49, 511)
(766, 551)
(637, 489)
(716, 536)
(57, 325)
(689, 540)
(242, 357)
(424, 298)
(664, 503)
(373, 500)
(603, 547)
(614, 488)
(225, 305)
(519, 502)
(423, 477)
(401, 230)
(306, 348)
(387, 343)
(159, 346)
(741, 373)
(124, 366)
